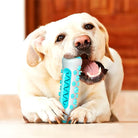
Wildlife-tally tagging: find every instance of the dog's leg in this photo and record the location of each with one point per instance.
(41, 109)
(113, 81)
(95, 107)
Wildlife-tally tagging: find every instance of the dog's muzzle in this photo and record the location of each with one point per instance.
(92, 71)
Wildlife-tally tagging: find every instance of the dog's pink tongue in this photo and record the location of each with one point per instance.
(90, 67)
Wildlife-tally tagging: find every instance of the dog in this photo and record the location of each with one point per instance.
(102, 74)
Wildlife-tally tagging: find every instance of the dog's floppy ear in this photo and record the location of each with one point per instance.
(34, 42)
(103, 29)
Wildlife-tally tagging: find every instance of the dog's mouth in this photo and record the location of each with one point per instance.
(92, 71)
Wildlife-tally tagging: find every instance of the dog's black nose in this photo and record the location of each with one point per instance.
(82, 42)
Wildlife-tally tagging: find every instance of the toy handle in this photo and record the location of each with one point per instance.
(69, 83)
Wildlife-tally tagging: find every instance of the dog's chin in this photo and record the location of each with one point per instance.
(92, 71)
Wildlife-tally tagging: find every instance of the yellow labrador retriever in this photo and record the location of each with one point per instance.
(76, 35)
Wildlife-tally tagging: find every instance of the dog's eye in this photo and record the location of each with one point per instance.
(60, 37)
(88, 26)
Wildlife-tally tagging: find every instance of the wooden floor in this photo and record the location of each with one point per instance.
(13, 126)
(18, 129)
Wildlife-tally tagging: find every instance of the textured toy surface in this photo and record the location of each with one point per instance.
(70, 83)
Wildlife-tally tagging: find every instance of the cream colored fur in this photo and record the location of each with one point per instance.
(40, 74)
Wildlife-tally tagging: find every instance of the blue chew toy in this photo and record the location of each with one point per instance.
(69, 84)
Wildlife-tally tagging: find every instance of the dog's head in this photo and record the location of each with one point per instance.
(76, 35)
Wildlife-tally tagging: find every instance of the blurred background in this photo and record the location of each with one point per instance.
(18, 18)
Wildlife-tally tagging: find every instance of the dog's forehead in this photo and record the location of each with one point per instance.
(72, 20)
(78, 17)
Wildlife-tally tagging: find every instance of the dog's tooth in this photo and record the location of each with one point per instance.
(90, 75)
(99, 70)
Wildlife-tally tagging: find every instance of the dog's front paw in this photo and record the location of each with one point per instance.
(41, 109)
(82, 115)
